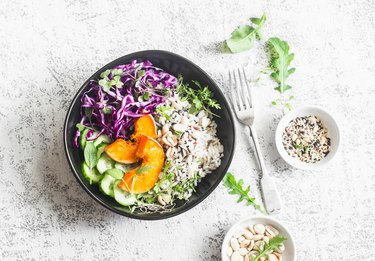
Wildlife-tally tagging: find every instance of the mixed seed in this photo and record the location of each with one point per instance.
(307, 138)
(245, 244)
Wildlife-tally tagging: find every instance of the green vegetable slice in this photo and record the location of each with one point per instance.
(91, 174)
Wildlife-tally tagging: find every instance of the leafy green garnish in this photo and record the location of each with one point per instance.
(235, 188)
(165, 111)
(105, 84)
(116, 81)
(178, 133)
(116, 173)
(280, 61)
(243, 38)
(107, 110)
(90, 155)
(146, 96)
(105, 74)
(201, 98)
(80, 126)
(117, 72)
(273, 244)
(143, 169)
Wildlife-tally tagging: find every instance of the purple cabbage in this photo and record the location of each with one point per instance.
(122, 95)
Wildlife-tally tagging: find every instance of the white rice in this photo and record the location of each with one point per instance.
(195, 150)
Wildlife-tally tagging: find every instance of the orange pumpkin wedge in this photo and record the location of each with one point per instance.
(146, 126)
(144, 177)
(124, 151)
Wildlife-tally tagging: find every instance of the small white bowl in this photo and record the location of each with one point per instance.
(290, 249)
(327, 120)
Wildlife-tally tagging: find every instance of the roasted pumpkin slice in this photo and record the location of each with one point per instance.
(124, 151)
(144, 177)
(146, 126)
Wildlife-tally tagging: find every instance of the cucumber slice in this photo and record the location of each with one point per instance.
(125, 167)
(100, 150)
(104, 163)
(115, 173)
(102, 139)
(106, 185)
(122, 197)
(91, 175)
(82, 138)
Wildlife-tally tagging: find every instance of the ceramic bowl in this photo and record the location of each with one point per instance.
(327, 120)
(174, 64)
(289, 253)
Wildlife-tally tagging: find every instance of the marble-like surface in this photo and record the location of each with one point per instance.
(49, 48)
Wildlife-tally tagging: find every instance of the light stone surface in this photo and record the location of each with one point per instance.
(49, 48)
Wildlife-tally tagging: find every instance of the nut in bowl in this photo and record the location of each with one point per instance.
(307, 137)
(258, 238)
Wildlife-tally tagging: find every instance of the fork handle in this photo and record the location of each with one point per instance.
(254, 136)
(270, 194)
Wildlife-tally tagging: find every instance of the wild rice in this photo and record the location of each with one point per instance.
(190, 143)
(307, 139)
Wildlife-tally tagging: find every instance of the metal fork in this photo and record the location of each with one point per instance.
(243, 107)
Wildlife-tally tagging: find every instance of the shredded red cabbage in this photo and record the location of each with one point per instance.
(114, 102)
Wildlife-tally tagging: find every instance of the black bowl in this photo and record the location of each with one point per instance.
(174, 64)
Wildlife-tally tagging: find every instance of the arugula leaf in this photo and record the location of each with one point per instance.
(273, 244)
(280, 61)
(235, 188)
(90, 154)
(143, 169)
(243, 38)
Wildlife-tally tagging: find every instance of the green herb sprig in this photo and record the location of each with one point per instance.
(200, 98)
(273, 244)
(235, 188)
(244, 36)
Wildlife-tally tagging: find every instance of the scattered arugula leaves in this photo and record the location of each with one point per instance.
(90, 154)
(279, 63)
(235, 188)
(200, 98)
(244, 36)
(273, 244)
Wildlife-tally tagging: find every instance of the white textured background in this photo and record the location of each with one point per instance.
(49, 48)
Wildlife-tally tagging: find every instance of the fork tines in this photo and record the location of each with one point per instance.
(240, 90)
